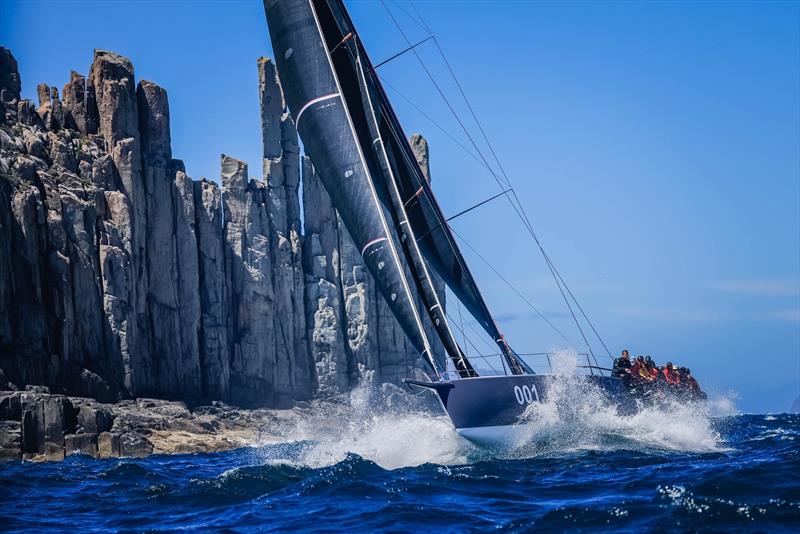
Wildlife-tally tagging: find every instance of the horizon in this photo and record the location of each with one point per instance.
(654, 145)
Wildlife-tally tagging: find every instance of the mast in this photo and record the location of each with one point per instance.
(424, 281)
(354, 137)
(434, 238)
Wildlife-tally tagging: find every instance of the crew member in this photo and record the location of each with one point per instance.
(669, 375)
(637, 366)
(622, 365)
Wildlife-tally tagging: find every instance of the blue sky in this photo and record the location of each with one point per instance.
(656, 146)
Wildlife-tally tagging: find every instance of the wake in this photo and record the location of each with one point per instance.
(395, 430)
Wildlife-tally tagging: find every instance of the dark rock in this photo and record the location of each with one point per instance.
(134, 445)
(172, 298)
(108, 445)
(45, 109)
(45, 420)
(122, 260)
(10, 406)
(248, 264)
(281, 155)
(81, 443)
(58, 109)
(94, 419)
(27, 114)
(9, 73)
(10, 440)
(75, 116)
(214, 296)
(10, 86)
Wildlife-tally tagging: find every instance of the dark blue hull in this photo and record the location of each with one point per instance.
(489, 409)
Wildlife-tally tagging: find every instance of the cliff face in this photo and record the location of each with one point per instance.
(120, 276)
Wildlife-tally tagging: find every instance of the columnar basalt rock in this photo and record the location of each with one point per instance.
(341, 295)
(281, 155)
(249, 266)
(214, 291)
(173, 305)
(325, 316)
(123, 262)
(122, 277)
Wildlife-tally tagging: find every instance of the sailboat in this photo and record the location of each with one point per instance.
(358, 146)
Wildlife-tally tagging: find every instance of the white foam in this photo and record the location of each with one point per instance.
(376, 429)
(576, 416)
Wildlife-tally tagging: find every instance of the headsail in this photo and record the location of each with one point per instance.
(429, 225)
(328, 126)
(371, 172)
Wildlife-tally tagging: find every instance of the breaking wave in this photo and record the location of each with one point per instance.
(579, 415)
(394, 430)
(377, 461)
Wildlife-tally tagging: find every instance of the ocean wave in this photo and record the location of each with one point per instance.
(577, 416)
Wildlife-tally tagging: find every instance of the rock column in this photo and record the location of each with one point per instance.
(123, 243)
(173, 303)
(281, 155)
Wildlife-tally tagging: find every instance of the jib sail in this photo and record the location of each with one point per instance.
(354, 137)
(328, 127)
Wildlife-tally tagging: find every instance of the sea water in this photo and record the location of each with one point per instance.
(363, 464)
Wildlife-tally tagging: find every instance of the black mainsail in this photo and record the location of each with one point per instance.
(362, 154)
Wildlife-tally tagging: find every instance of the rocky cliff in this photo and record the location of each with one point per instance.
(122, 277)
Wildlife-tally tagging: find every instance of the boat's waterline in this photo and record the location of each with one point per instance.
(501, 436)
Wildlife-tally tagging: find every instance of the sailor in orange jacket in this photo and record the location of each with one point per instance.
(670, 374)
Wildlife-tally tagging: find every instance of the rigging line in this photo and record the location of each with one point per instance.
(478, 205)
(439, 90)
(414, 7)
(385, 61)
(526, 223)
(584, 315)
(418, 21)
(519, 209)
(510, 285)
(556, 273)
(448, 134)
(508, 181)
(480, 354)
(430, 231)
(479, 335)
(471, 111)
(461, 320)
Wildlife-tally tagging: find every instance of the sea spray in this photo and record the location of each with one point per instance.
(385, 426)
(577, 414)
(393, 429)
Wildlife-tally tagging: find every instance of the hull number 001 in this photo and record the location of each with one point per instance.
(525, 394)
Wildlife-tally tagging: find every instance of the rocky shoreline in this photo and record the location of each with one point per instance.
(123, 277)
(39, 426)
(123, 281)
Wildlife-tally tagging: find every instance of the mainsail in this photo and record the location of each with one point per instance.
(355, 139)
